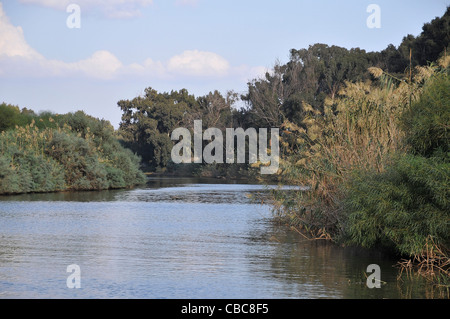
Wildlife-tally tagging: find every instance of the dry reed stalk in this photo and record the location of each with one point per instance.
(433, 263)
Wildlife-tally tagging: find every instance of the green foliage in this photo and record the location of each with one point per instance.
(84, 155)
(401, 207)
(430, 45)
(408, 203)
(364, 188)
(427, 120)
(310, 76)
(81, 163)
(358, 129)
(10, 116)
(148, 120)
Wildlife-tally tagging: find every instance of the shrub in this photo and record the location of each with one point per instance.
(427, 121)
(401, 207)
(86, 156)
(406, 207)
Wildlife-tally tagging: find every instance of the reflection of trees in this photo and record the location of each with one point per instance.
(81, 196)
(320, 269)
(10, 249)
(414, 286)
(315, 265)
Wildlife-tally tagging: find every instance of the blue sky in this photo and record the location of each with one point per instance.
(124, 46)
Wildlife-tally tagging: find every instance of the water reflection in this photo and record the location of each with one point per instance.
(190, 190)
(173, 239)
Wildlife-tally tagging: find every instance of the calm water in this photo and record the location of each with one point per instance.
(175, 238)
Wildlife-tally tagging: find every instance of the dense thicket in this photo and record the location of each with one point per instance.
(148, 121)
(408, 203)
(74, 151)
(309, 77)
(368, 133)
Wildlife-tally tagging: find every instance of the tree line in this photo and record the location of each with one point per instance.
(366, 131)
(309, 77)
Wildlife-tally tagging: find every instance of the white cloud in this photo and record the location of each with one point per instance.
(102, 64)
(149, 68)
(12, 40)
(111, 8)
(19, 59)
(198, 63)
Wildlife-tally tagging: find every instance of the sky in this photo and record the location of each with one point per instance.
(54, 59)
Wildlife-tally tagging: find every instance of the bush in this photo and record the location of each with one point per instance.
(86, 156)
(377, 164)
(358, 129)
(427, 120)
(406, 207)
(401, 207)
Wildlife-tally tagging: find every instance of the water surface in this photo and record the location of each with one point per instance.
(174, 238)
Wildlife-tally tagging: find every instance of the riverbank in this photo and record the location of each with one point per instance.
(64, 153)
(378, 163)
(237, 172)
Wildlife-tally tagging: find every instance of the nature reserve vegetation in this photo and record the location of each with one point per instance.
(367, 132)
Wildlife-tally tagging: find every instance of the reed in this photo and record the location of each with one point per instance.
(358, 131)
(432, 263)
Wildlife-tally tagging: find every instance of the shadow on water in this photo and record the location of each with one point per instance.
(179, 189)
(78, 196)
(322, 269)
(112, 195)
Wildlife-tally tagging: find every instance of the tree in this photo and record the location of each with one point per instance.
(310, 76)
(266, 96)
(432, 43)
(8, 116)
(427, 120)
(148, 120)
(216, 110)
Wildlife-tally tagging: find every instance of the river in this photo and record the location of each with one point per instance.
(175, 238)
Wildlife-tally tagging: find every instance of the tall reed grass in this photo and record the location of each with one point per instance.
(366, 159)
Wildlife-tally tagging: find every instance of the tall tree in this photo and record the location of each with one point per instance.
(148, 120)
(433, 41)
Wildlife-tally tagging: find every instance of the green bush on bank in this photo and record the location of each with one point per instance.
(85, 156)
(377, 164)
(401, 207)
(408, 203)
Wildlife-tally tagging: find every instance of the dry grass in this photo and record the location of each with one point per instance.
(433, 264)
